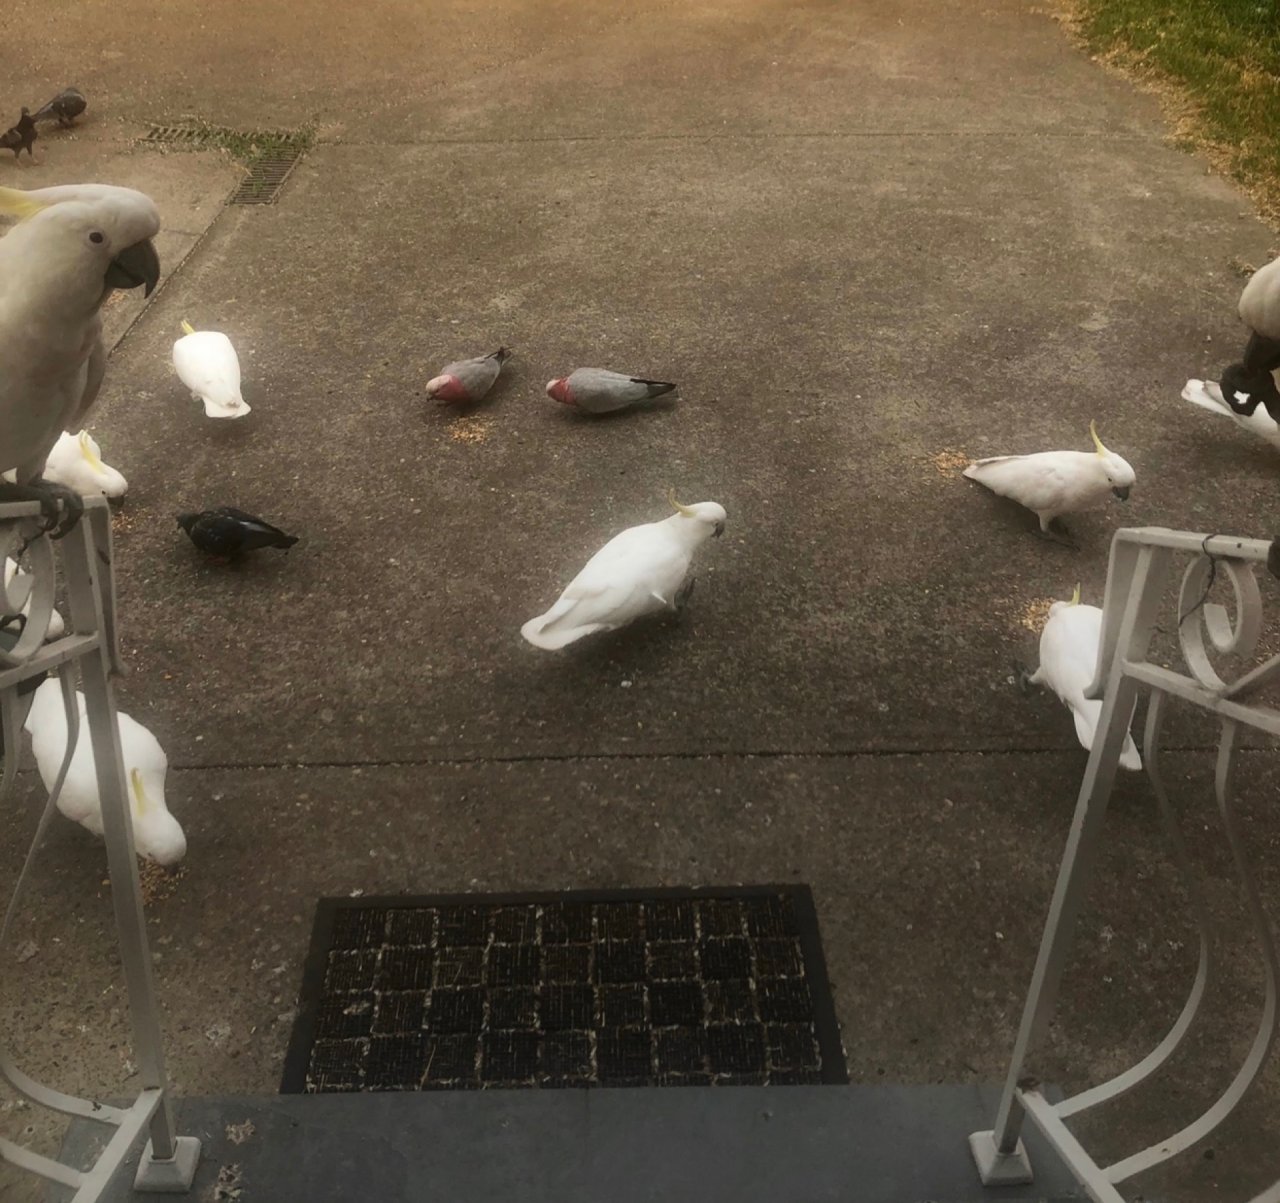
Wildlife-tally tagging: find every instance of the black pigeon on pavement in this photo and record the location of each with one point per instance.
(227, 531)
(20, 137)
(66, 107)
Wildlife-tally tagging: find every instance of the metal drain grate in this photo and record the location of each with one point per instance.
(266, 177)
(625, 988)
(268, 156)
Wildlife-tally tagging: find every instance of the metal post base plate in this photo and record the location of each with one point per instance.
(169, 1177)
(996, 1168)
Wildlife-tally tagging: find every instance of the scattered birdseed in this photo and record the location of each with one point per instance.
(470, 430)
(949, 462)
(158, 882)
(1035, 613)
(237, 1134)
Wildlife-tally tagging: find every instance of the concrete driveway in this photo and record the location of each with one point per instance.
(868, 240)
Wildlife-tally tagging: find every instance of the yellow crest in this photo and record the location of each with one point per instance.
(1075, 597)
(675, 505)
(1097, 442)
(187, 327)
(16, 203)
(142, 803)
(86, 449)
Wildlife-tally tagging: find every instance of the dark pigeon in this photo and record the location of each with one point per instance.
(66, 107)
(227, 531)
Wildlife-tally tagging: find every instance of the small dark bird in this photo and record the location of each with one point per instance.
(66, 107)
(20, 137)
(227, 531)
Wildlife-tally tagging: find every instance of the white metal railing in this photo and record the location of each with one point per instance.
(1142, 561)
(168, 1162)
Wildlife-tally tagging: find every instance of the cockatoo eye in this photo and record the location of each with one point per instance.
(97, 237)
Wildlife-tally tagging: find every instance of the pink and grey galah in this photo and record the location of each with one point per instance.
(468, 379)
(598, 391)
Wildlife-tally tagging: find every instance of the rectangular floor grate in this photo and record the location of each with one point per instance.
(268, 156)
(624, 988)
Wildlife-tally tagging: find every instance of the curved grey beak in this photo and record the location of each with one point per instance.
(719, 530)
(137, 264)
(1122, 492)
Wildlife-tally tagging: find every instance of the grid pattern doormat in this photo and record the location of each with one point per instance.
(625, 988)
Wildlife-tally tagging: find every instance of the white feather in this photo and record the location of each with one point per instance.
(157, 834)
(1069, 646)
(1207, 394)
(57, 627)
(207, 364)
(68, 464)
(1051, 483)
(638, 572)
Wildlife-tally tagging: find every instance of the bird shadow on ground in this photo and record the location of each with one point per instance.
(659, 405)
(1017, 518)
(646, 645)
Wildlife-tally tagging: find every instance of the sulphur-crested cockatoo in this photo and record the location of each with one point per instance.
(76, 462)
(72, 245)
(207, 364)
(156, 833)
(18, 584)
(640, 571)
(1069, 646)
(1052, 483)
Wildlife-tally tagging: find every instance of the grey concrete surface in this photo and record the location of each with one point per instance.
(861, 237)
(679, 1146)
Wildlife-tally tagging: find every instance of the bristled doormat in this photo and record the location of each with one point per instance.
(625, 988)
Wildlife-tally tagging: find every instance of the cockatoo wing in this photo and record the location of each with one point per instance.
(1035, 481)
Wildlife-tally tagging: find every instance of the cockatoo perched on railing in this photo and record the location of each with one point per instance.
(73, 245)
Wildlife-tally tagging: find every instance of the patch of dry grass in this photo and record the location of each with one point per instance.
(1215, 67)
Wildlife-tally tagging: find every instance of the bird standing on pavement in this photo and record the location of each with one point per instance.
(599, 391)
(22, 136)
(1069, 646)
(467, 380)
(1052, 483)
(208, 365)
(72, 246)
(227, 531)
(157, 835)
(66, 107)
(643, 570)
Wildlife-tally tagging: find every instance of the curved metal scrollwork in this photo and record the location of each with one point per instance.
(1198, 617)
(1138, 579)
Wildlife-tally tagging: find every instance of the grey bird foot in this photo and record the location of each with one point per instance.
(684, 594)
(1022, 677)
(1057, 533)
(60, 508)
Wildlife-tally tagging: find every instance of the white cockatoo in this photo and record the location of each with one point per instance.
(21, 586)
(72, 245)
(640, 571)
(1252, 412)
(157, 835)
(207, 364)
(76, 462)
(1069, 646)
(1052, 483)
